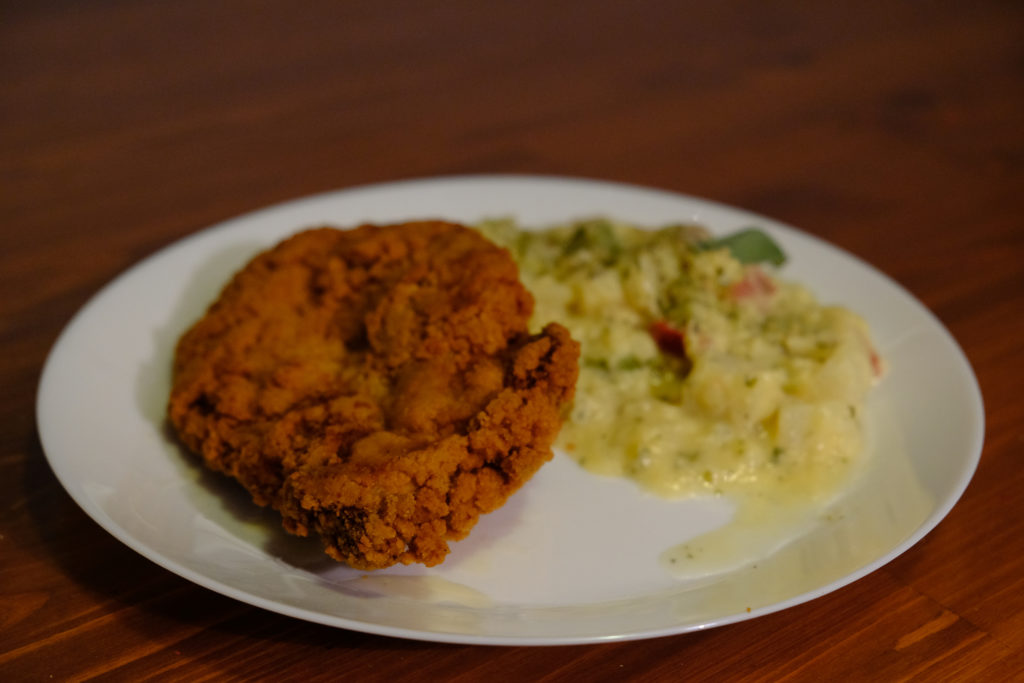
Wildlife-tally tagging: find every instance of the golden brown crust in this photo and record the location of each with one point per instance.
(377, 386)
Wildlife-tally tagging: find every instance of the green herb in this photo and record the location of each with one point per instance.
(630, 363)
(579, 240)
(748, 246)
(597, 236)
(667, 386)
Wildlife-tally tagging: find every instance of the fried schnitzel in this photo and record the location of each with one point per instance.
(376, 386)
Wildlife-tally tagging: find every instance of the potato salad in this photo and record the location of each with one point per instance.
(701, 370)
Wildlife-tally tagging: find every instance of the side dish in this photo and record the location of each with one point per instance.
(701, 371)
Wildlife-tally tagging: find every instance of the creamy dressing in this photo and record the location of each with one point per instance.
(758, 528)
(792, 544)
(699, 374)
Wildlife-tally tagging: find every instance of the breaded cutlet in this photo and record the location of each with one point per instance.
(376, 386)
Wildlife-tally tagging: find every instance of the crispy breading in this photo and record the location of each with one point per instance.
(376, 386)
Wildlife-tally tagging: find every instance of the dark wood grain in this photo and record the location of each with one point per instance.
(895, 130)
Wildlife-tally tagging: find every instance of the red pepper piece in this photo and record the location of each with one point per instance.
(755, 283)
(668, 338)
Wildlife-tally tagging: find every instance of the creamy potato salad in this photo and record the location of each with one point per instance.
(701, 371)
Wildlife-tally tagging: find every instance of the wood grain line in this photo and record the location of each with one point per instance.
(941, 622)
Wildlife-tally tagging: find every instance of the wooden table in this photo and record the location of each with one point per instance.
(895, 131)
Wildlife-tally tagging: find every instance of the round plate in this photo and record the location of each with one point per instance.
(571, 558)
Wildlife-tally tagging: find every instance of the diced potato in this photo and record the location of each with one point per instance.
(768, 396)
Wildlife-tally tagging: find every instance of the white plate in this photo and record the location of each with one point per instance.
(573, 557)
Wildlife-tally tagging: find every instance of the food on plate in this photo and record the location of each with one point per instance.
(377, 386)
(701, 370)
